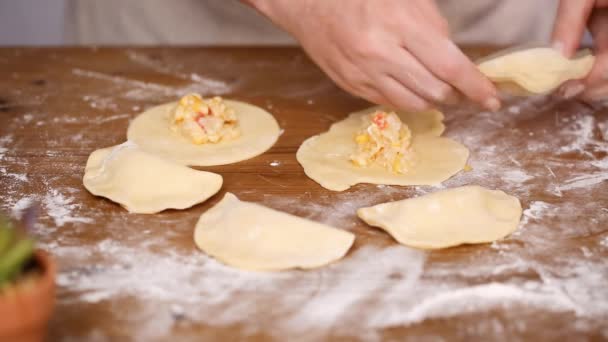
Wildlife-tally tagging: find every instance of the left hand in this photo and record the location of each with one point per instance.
(573, 17)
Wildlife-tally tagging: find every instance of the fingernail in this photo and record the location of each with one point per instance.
(492, 104)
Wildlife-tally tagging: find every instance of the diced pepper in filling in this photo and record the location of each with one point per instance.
(204, 120)
(384, 140)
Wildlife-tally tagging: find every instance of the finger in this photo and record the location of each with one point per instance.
(588, 88)
(596, 84)
(408, 71)
(445, 60)
(400, 97)
(570, 23)
(360, 86)
(598, 26)
(373, 95)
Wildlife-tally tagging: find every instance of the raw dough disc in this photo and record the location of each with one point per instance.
(536, 71)
(325, 157)
(259, 131)
(144, 183)
(250, 236)
(469, 214)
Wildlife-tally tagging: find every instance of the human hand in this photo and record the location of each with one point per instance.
(572, 18)
(391, 52)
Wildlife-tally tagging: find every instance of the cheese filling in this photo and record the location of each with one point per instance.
(384, 141)
(204, 120)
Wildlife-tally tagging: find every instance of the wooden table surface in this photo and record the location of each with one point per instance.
(140, 277)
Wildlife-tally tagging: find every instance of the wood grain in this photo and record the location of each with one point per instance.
(58, 105)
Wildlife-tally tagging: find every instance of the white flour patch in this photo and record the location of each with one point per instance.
(603, 127)
(582, 133)
(584, 181)
(4, 141)
(588, 179)
(537, 211)
(27, 118)
(17, 176)
(21, 205)
(61, 208)
(478, 298)
(371, 289)
(66, 119)
(515, 176)
(139, 90)
(98, 102)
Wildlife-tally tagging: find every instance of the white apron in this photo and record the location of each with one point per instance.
(229, 22)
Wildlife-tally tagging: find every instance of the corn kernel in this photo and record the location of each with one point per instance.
(362, 138)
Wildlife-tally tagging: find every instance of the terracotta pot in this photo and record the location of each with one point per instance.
(25, 312)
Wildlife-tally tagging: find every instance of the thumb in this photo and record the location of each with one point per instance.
(570, 23)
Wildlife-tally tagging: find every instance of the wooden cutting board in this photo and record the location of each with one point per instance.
(140, 277)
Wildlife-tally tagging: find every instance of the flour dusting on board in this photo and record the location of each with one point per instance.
(374, 287)
(60, 208)
(140, 90)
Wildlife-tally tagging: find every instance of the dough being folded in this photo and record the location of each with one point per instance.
(469, 214)
(250, 236)
(144, 183)
(326, 157)
(536, 71)
(152, 133)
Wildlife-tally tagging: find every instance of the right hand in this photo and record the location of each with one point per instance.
(391, 52)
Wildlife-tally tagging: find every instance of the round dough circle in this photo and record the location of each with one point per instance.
(144, 183)
(468, 214)
(253, 237)
(151, 132)
(325, 157)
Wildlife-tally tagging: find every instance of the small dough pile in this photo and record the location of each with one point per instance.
(386, 141)
(144, 183)
(469, 214)
(326, 157)
(252, 237)
(154, 132)
(535, 71)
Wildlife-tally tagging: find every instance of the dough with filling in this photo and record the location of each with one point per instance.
(535, 71)
(253, 237)
(464, 215)
(152, 132)
(326, 157)
(144, 183)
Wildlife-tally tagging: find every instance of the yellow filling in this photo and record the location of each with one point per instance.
(385, 141)
(204, 120)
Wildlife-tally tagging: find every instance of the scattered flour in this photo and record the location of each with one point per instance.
(584, 181)
(516, 176)
(27, 118)
(139, 90)
(582, 132)
(4, 141)
(373, 288)
(17, 176)
(60, 208)
(21, 205)
(98, 102)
